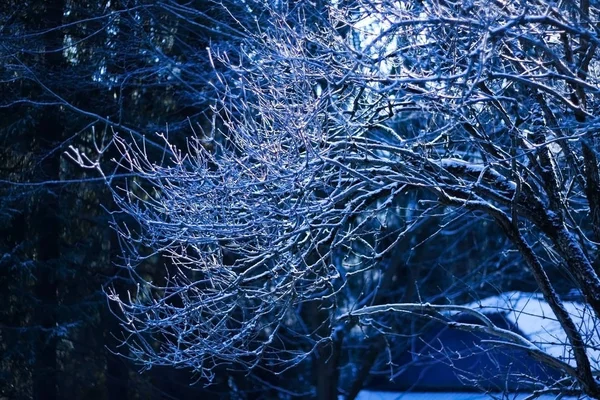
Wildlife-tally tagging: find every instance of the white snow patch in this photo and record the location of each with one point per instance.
(534, 317)
(373, 395)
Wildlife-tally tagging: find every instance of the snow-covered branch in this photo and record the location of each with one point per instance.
(333, 137)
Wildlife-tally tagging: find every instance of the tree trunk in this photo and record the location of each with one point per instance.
(45, 225)
(45, 220)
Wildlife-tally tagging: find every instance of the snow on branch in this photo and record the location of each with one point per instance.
(333, 134)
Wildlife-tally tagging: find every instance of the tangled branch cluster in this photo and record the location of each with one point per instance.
(330, 116)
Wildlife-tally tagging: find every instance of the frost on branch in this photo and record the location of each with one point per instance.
(327, 121)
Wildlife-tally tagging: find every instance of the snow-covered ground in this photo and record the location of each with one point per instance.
(371, 395)
(533, 316)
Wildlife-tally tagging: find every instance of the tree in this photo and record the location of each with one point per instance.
(338, 139)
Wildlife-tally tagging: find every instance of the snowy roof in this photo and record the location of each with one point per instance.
(534, 317)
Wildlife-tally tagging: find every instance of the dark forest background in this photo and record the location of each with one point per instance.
(72, 72)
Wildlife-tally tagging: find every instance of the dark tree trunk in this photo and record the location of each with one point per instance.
(326, 358)
(45, 225)
(45, 220)
(117, 368)
(327, 368)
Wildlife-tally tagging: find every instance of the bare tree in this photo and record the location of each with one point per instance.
(330, 134)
